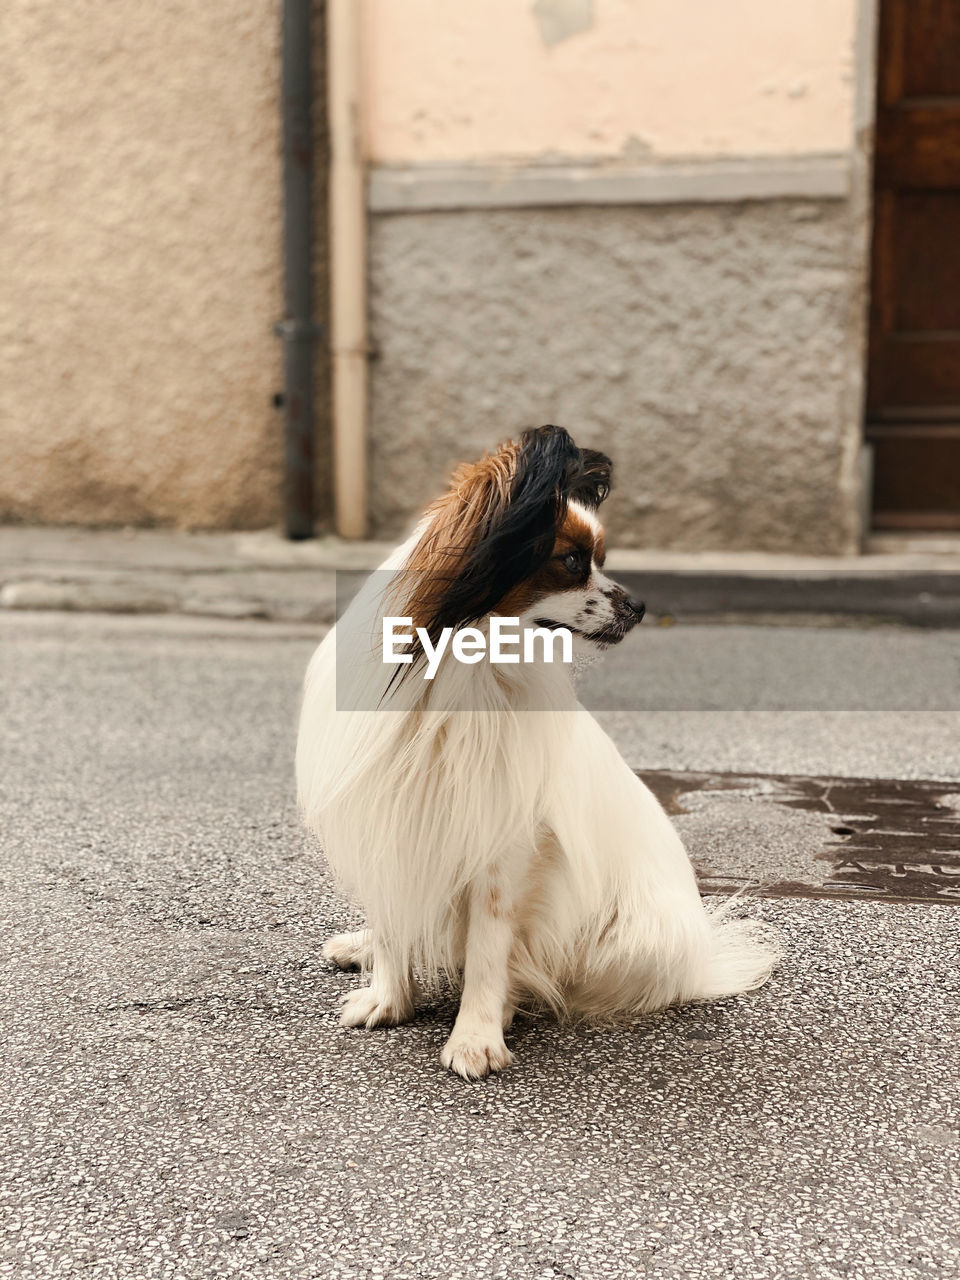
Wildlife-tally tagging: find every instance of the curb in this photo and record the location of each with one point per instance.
(927, 599)
(261, 576)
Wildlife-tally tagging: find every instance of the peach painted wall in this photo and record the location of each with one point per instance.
(455, 80)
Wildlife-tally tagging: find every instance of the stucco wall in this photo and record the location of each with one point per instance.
(706, 348)
(715, 349)
(141, 243)
(539, 79)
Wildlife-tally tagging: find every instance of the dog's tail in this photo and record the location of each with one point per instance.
(636, 966)
(742, 955)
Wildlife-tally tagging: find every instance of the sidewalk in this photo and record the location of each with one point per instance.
(261, 575)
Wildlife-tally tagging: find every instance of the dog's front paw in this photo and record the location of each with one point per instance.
(349, 950)
(474, 1054)
(371, 1007)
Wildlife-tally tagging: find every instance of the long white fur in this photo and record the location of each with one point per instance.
(508, 840)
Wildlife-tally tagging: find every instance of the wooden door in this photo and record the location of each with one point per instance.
(913, 377)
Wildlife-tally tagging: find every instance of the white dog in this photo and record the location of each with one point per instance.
(483, 820)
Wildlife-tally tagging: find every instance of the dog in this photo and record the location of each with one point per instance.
(482, 819)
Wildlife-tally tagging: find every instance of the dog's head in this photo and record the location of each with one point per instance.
(518, 534)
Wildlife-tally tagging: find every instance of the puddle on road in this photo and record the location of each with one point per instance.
(891, 840)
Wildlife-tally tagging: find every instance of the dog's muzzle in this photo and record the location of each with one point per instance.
(627, 613)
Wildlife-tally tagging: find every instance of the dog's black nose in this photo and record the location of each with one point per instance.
(636, 606)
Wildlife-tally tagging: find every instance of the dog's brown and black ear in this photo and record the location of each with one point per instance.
(496, 526)
(592, 484)
(548, 472)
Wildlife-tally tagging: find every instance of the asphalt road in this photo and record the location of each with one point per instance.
(178, 1099)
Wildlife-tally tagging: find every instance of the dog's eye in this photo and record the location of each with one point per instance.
(572, 562)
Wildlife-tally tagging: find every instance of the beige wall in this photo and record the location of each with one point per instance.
(486, 79)
(141, 260)
(140, 208)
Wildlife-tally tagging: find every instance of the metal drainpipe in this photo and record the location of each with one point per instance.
(297, 328)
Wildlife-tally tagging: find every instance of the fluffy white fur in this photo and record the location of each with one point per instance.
(508, 847)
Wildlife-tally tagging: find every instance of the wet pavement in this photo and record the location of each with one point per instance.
(881, 839)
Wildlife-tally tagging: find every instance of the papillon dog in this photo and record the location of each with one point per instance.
(488, 828)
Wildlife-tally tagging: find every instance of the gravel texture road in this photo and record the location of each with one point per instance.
(179, 1100)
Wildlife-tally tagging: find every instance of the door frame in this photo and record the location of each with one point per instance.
(858, 466)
